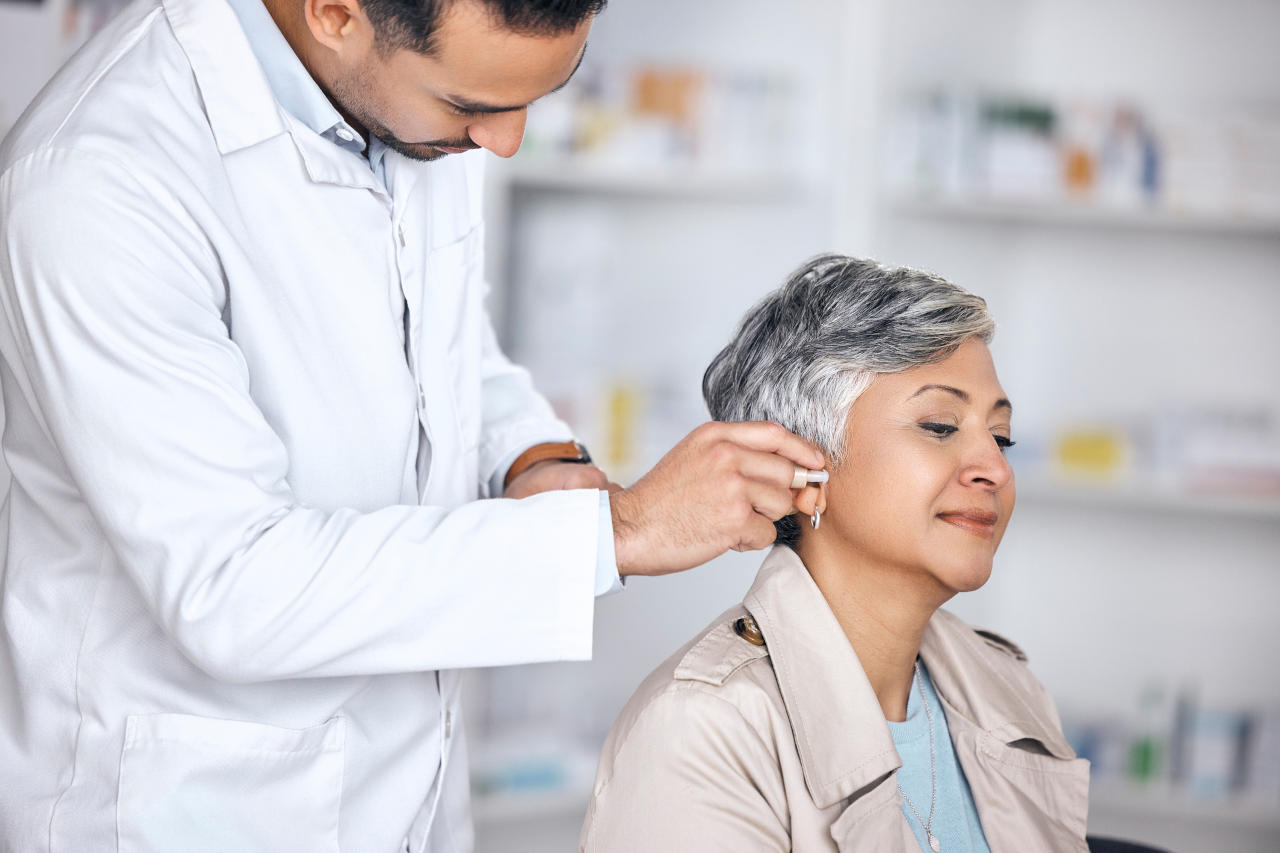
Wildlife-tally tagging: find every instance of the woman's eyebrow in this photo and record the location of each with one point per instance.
(963, 395)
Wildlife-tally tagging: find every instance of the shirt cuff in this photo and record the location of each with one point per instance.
(607, 579)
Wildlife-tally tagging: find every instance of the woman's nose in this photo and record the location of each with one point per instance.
(986, 464)
(500, 133)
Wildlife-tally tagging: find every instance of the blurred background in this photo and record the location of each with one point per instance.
(1105, 174)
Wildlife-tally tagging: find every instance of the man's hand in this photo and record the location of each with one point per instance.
(551, 475)
(721, 487)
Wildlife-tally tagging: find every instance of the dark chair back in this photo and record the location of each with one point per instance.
(1114, 845)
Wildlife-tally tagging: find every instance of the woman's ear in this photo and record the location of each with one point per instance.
(811, 496)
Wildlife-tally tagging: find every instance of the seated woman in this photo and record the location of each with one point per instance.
(838, 708)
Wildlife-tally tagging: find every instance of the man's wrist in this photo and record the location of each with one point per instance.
(561, 451)
(623, 534)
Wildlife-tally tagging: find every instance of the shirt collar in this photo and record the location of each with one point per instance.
(292, 85)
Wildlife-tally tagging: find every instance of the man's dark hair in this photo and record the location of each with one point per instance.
(411, 24)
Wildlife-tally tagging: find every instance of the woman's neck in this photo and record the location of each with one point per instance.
(883, 610)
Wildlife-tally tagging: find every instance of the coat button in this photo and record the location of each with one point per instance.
(747, 629)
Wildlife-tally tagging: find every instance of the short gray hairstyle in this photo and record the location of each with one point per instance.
(806, 351)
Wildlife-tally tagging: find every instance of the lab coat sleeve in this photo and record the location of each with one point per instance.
(111, 303)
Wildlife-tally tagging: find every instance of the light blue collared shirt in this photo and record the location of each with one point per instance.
(303, 99)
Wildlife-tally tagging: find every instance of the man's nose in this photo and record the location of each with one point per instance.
(500, 133)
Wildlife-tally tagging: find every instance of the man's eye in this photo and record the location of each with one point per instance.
(939, 429)
(459, 111)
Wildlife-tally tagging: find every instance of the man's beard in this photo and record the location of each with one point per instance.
(422, 151)
(354, 105)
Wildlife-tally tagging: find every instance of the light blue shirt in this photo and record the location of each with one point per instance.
(303, 99)
(955, 818)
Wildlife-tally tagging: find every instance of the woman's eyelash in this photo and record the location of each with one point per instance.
(944, 430)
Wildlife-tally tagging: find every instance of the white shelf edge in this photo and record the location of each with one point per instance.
(687, 182)
(1080, 213)
(1136, 496)
(1124, 800)
(510, 806)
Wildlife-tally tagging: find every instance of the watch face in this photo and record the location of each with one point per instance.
(582, 452)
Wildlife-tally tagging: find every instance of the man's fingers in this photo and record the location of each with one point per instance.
(769, 468)
(770, 501)
(769, 437)
(760, 533)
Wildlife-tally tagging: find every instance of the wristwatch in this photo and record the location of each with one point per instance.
(563, 451)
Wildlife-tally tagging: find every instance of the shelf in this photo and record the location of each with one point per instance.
(658, 182)
(1146, 497)
(1164, 805)
(1083, 214)
(509, 807)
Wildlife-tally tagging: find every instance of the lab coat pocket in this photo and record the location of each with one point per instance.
(195, 783)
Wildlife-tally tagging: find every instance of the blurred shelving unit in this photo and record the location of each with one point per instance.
(506, 808)
(1146, 497)
(1178, 807)
(674, 183)
(1081, 214)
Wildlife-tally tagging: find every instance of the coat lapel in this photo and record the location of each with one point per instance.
(841, 736)
(1031, 791)
(873, 822)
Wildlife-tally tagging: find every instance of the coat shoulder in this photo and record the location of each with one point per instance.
(728, 644)
(990, 639)
(712, 675)
(1000, 643)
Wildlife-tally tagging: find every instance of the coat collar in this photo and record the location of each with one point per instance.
(237, 98)
(841, 735)
(241, 106)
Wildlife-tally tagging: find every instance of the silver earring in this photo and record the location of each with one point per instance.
(816, 518)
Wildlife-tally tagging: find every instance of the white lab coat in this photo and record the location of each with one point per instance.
(243, 551)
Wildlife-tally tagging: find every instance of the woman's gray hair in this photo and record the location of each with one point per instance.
(806, 351)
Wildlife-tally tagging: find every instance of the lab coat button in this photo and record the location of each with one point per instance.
(448, 724)
(400, 233)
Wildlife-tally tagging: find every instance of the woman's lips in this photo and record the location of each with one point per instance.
(978, 522)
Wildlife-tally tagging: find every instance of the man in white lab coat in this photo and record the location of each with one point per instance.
(258, 429)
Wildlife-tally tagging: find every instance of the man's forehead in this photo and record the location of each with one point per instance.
(480, 68)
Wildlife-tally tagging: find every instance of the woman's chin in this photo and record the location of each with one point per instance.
(964, 578)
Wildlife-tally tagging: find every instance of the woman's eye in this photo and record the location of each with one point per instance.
(1003, 442)
(939, 429)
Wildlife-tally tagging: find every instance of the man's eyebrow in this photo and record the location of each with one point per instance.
(963, 395)
(477, 107)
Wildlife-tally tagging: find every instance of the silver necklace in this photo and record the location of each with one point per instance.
(934, 844)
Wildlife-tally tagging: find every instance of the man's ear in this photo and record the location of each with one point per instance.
(340, 25)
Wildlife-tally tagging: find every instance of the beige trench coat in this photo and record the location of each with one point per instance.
(740, 747)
